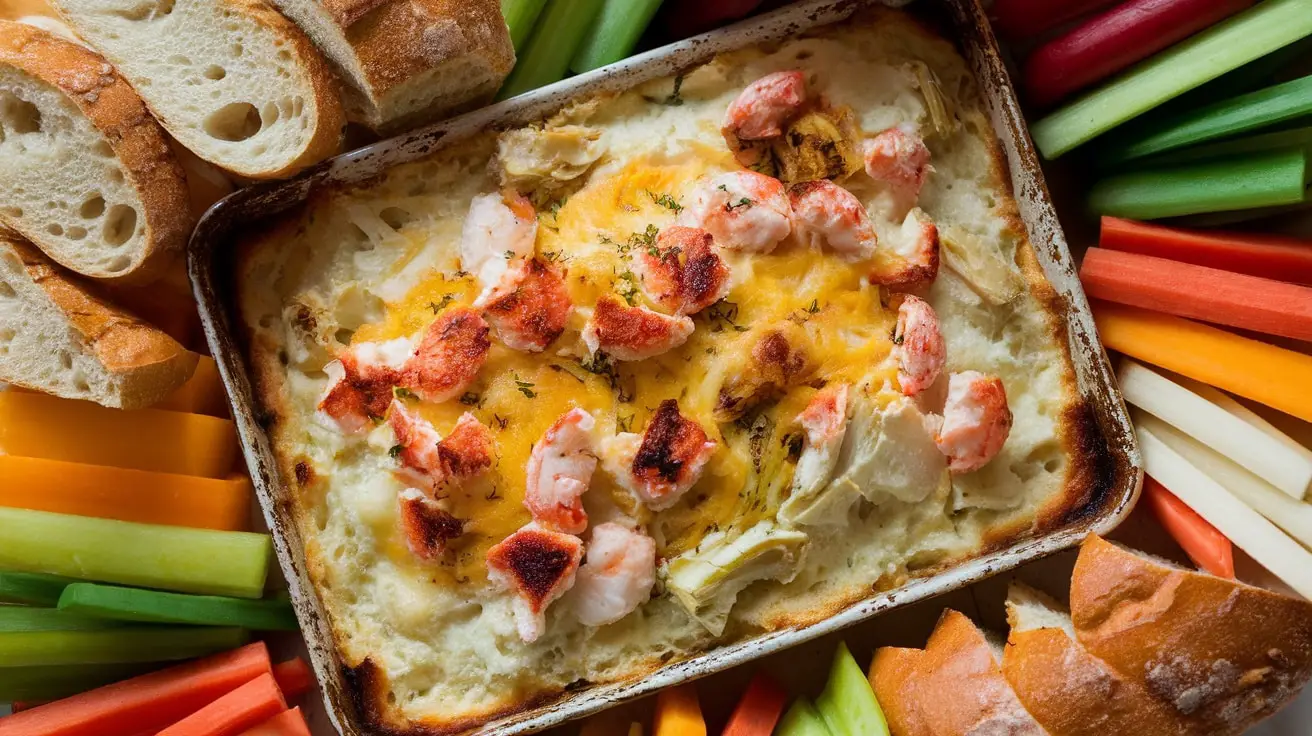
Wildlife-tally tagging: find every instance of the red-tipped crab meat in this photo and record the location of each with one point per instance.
(825, 422)
(665, 461)
(683, 272)
(360, 383)
(427, 459)
(742, 210)
(499, 228)
(976, 421)
(909, 257)
(538, 566)
(427, 527)
(763, 107)
(826, 215)
(528, 308)
(633, 333)
(900, 160)
(618, 576)
(917, 345)
(449, 355)
(559, 471)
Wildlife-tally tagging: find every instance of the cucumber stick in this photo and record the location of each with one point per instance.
(31, 588)
(61, 681)
(132, 604)
(615, 34)
(115, 646)
(147, 555)
(1264, 180)
(559, 33)
(22, 618)
(1266, 142)
(1268, 26)
(521, 16)
(848, 705)
(802, 719)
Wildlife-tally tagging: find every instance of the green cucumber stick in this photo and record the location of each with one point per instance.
(1263, 143)
(22, 618)
(147, 555)
(555, 39)
(802, 720)
(1245, 113)
(116, 646)
(150, 606)
(1265, 180)
(31, 588)
(521, 16)
(848, 703)
(615, 34)
(53, 682)
(1264, 28)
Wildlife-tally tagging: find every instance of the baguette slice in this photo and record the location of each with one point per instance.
(231, 80)
(85, 172)
(1065, 688)
(1219, 653)
(60, 338)
(408, 62)
(952, 687)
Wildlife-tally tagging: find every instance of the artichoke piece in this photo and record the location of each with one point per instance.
(820, 144)
(983, 267)
(774, 451)
(941, 116)
(707, 580)
(542, 161)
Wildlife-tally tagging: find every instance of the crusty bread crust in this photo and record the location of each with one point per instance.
(137, 139)
(1221, 654)
(148, 363)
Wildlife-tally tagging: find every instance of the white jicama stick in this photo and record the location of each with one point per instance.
(1250, 447)
(1232, 405)
(1240, 524)
(1293, 516)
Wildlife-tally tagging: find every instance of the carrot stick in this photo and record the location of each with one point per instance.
(1264, 373)
(287, 723)
(1201, 541)
(235, 713)
(760, 709)
(678, 713)
(150, 701)
(1269, 256)
(1198, 292)
(294, 677)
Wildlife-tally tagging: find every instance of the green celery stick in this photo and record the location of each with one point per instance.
(31, 588)
(549, 50)
(1254, 75)
(848, 705)
(1245, 113)
(1265, 180)
(61, 681)
(133, 604)
(116, 646)
(802, 720)
(1266, 142)
(1234, 217)
(21, 618)
(521, 16)
(147, 555)
(1270, 25)
(615, 34)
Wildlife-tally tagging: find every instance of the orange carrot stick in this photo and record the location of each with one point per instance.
(1270, 256)
(1254, 370)
(287, 723)
(678, 713)
(760, 709)
(1206, 546)
(1198, 292)
(149, 701)
(294, 677)
(235, 713)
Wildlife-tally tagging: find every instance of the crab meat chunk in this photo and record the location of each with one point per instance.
(826, 215)
(825, 422)
(449, 355)
(528, 308)
(633, 333)
(617, 577)
(429, 460)
(683, 273)
(976, 421)
(360, 383)
(899, 160)
(499, 228)
(742, 210)
(538, 566)
(560, 468)
(917, 345)
(426, 526)
(662, 463)
(764, 106)
(909, 257)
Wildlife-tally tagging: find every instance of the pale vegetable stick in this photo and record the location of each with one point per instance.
(1266, 544)
(1250, 447)
(1230, 404)
(1292, 516)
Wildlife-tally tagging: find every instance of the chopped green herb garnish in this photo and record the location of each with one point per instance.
(443, 304)
(469, 398)
(524, 387)
(403, 393)
(666, 201)
(394, 451)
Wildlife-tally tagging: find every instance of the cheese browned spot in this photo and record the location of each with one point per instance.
(426, 525)
(530, 306)
(669, 446)
(779, 359)
(449, 356)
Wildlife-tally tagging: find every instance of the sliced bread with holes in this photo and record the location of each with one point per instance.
(58, 336)
(408, 62)
(232, 80)
(85, 172)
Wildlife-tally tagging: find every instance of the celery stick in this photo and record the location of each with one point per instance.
(802, 720)
(1266, 142)
(22, 618)
(1268, 26)
(1264, 180)
(1234, 217)
(147, 555)
(1254, 75)
(30, 588)
(521, 16)
(1253, 111)
(848, 704)
(549, 50)
(150, 606)
(615, 34)
(61, 681)
(115, 646)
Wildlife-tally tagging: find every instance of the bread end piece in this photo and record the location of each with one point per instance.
(57, 336)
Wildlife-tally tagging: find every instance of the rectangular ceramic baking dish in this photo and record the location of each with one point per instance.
(963, 21)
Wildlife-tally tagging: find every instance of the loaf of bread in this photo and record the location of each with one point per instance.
(232, 80)
(408, 62)
(57, 335)
(85, 172)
